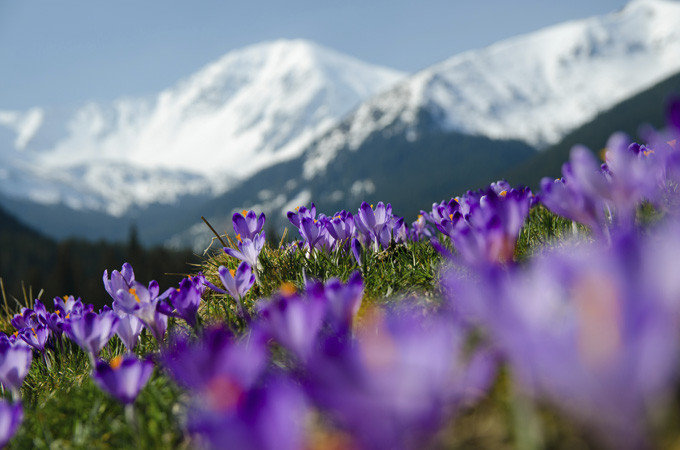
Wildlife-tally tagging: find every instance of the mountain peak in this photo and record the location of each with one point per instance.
(534, 88)
(251, 108)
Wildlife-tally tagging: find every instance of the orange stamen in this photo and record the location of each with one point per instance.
(287, 288)
(133, 291)
(244, 213)
(115, 362)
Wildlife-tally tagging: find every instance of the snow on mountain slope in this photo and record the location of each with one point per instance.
(534, 88)
(252, 108)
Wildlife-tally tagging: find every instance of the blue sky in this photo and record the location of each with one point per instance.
(63, 53)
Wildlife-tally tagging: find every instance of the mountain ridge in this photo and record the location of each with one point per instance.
(251, 108)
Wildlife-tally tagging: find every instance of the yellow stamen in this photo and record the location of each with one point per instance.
(34, 333)
(451, 216)
(232, 272)
(648, 152)
(244, 213)
(68, 316)
(503, 193)
(287, 288)
(420, 216)
(65, 297)
(371, 205)
(16, 333)
(238, 237)
(115, 362)
(133, 291)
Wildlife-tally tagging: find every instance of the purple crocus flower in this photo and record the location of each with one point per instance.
(218, 367)
(300, 213)
(129, 328)
(268, 416)
(248, 250)
(186, 300)
(11, 416)
(293, 320)
(373, 389)
(69, 304)
(247, 224)
(123, 377)
(236, 403)
(316, 234)
(30, 317)
(341, 228)
(92, 331)
(118, 281)
(373, 223)
(444, 211)
(36, 336)
(342, 301)
(15, 361)
(587, 327)
(64, 308)
(237, 283)
(420, 229)
(199, 281)
(144, 302)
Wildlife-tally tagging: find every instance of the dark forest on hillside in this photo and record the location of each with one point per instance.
(30, 262)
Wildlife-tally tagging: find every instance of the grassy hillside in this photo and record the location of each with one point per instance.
(64, 408)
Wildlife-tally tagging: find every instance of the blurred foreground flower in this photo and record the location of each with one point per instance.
(591, 328)
(15, 361)
(236, 401)
(123, 377)
(11, 416)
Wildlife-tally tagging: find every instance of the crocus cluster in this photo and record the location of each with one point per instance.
(367, 381)
(370, 228)
(592, 326)
(607, 196)
(484, 225)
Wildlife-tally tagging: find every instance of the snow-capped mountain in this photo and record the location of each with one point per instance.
(534, 88)
(252, 108)
(276, 125)
(469, 118)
